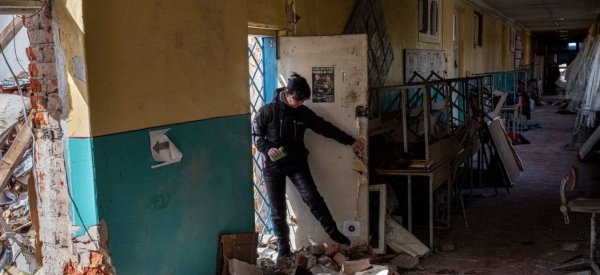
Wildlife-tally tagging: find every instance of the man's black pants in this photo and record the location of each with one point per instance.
(299, 174)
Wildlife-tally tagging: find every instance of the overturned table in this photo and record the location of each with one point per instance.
(438, 175)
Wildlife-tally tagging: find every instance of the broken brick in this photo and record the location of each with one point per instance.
(339, 258)
(330, 251)
(96, 258)
(302, 261)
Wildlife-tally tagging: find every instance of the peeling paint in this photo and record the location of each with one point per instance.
(79, 67)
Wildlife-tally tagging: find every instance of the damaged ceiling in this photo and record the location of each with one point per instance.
(550, 17)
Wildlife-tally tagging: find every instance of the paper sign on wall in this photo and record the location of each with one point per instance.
(163, 150)
(323, 86)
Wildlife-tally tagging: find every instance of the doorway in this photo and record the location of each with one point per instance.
(262, 65)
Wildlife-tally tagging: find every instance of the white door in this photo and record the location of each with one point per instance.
(344, 60)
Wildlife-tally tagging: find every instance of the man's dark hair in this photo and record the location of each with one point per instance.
(297, 87)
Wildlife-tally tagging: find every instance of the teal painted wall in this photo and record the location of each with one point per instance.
(168, 220)
(84, 212)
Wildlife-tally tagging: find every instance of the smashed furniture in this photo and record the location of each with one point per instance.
(582, 85)
(358, 259)
(18, 194)
(584, 205)
(438, 129)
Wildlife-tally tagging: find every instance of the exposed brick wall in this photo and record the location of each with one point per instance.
(62, 253)
(49, 159)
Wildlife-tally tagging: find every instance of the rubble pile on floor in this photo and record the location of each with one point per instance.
(359, 259)
(17, 231)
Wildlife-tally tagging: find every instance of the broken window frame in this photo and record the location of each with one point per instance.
(430, 19)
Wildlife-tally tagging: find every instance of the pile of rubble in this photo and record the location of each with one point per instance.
(17, 230)
(335, 259)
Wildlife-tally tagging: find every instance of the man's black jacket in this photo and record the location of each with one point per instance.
(279, 125)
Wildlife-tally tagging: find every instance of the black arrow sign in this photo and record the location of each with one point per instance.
(159, 146)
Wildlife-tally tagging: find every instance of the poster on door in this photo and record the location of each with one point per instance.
(323, 84)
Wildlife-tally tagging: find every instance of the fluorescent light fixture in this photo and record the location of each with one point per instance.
(543, 5)
(552, 18)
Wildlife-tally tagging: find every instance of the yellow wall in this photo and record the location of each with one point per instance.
(269, 14)
(322, 17)
(154, 63)
(70, 18)
(172, 62)
(527, 43)
(330, 17)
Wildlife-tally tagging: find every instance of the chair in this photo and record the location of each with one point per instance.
(580, 205)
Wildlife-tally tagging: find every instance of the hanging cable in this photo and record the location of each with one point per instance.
(38, 11)
(15, 47)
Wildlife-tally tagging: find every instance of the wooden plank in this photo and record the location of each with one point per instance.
(35, 218)
(13, 156)
(9, 32)
(589, 145)
(236, 246)
(442, 175)
(508, 156)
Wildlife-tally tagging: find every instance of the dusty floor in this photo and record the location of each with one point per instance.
(508, 234)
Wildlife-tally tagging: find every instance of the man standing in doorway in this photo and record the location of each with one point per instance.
(278, 132)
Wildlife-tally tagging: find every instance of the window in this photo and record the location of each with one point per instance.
(429, 20)
(434, 18)
(572, 46)
(478, 20)
(424, 16)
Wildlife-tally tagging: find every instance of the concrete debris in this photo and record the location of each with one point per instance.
(339, 258)
(323, 270)
(312, 262)
(317, 250)
(560, 256)
(405, 261)
(330, 251)
(315, 260)
(352, 267)
(13, 270)
(241, 268)
(447, 246)
(358, 259)
(377, 270)
(401, 240)
(571, 247)
(269, 241)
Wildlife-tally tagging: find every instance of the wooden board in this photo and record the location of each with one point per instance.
(589, 145)
(236, 246)
(14, 154)
(510, 160)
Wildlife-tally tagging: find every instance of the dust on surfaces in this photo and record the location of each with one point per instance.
(349, 98)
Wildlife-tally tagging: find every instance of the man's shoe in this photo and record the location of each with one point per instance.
(338, 237)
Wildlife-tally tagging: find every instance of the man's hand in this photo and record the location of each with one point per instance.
(273, 153)
(358, 145)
